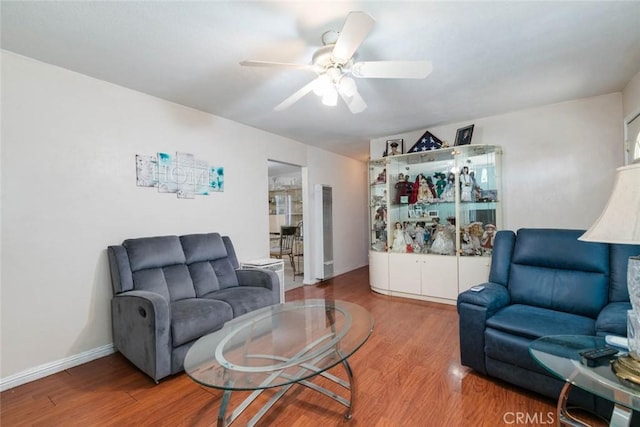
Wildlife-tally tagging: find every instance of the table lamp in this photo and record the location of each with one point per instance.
(620, 223)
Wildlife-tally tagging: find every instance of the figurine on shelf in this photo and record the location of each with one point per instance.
(435, 221)
(448, 194)
(442, 242)
(382, 177)
(451, 224)
(487, 237)
(403, 189)
(379, 245)
(409, 229)
(423, 190)
(441, 183)
(380, 223)
(476, 194)
(465, 242)
(399, 241)
(422, 236)
(466, 185)
(475, 231)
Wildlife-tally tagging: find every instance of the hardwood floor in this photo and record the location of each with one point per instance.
(407, 374)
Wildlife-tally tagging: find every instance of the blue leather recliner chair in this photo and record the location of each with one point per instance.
(543, 282)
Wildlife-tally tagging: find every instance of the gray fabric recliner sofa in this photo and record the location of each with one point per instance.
(171, 290)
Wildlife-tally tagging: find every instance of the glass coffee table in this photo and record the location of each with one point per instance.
(560, 355)
(279, 346)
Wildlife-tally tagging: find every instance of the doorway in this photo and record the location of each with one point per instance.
(286, 235)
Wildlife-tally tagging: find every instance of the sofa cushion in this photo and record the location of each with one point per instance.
(535, 322)
(195, 317)
(225, 272)
(154, 252)
(511, 330)
(244, 299)
(204, 278)
(172, 282)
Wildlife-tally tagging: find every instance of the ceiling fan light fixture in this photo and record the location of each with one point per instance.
(347, 86)
(323, 83)
(330, 97)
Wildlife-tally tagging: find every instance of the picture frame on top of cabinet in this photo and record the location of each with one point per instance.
(394, 147)
(463, 135)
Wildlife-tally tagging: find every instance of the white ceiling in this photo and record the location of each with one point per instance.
(488, 57)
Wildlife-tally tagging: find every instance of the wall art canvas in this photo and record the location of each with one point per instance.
(182, 173)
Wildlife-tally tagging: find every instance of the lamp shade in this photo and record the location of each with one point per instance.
(620, 220)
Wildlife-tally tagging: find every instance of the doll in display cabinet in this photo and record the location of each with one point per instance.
(448, 194)
(435, 221)
(422, 236)
(441, 183)
(466, 185)
(403, 189)
(409, 230)
(409, 235)
(486, 241)
(442, 241)
(476, 232)
(380, 224)
(423, 190)
(399, 243)
(466, 247)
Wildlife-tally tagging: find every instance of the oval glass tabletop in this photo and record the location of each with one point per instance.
(560, 354)
(279, 345)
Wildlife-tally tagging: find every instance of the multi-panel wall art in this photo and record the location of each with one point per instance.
(181, 173)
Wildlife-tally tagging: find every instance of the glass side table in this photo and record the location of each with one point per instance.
(560, 355)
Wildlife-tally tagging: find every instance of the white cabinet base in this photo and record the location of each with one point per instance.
(427, 277)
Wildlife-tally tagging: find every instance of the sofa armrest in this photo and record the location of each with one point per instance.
(261, 278)
(612, 319)
(142, 331)
(474, 308)
(493, 297)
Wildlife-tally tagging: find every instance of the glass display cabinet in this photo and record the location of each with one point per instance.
(433, 215)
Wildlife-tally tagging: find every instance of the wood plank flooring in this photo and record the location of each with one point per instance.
(407, 374)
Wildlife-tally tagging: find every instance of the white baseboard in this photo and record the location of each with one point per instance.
(54, 367)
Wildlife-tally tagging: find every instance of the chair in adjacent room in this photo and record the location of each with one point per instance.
(286, 244)
(298, 249)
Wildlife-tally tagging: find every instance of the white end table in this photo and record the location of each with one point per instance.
(273, 264)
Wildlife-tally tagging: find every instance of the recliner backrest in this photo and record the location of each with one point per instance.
(209, 263)
(174, 267)
(551, 268)
(158, 265)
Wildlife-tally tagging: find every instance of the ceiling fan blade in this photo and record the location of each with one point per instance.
(392, 69)
(252, 63)
(297, 95)
(354, 31)
(355, 102)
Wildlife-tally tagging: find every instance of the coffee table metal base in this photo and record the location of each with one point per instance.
(620, 417)
(224, 421)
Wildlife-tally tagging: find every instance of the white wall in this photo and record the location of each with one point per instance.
(559, 160)
(69, 190)
(631, 96)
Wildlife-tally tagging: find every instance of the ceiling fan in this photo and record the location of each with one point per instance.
(334, 64)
